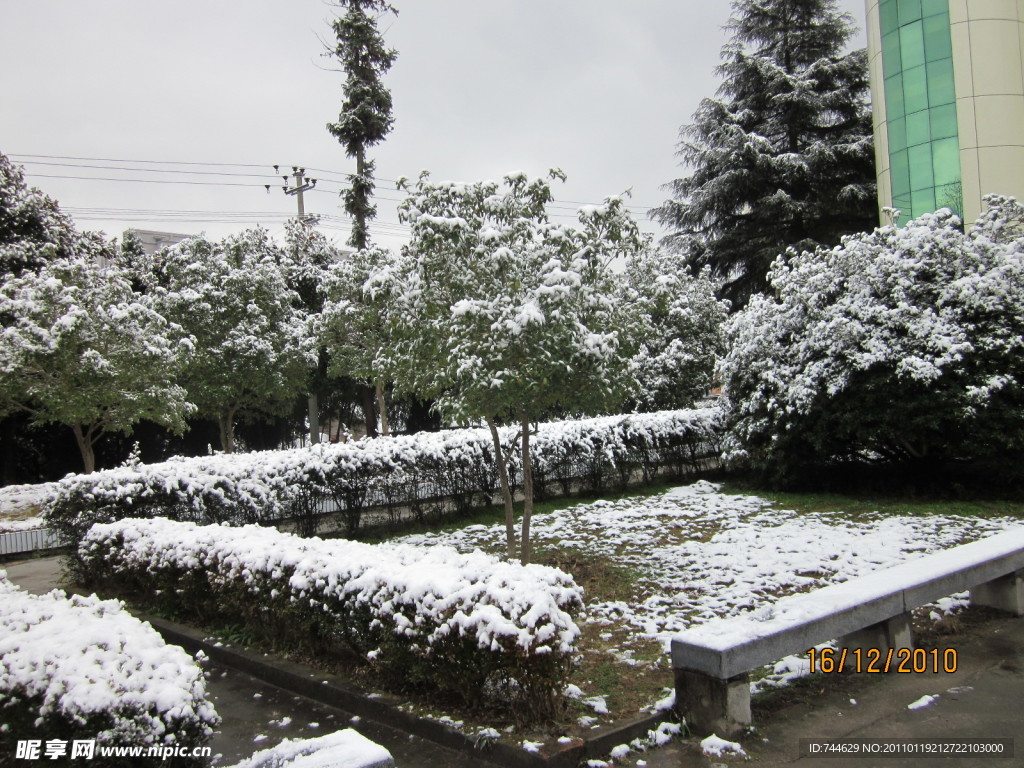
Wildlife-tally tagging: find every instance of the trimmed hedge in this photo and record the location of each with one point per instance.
(81, 668)
(429, 472)
(487, 633)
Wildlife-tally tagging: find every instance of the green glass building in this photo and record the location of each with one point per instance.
(947, 79)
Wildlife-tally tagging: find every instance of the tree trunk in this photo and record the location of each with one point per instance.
(359, 234)
(227, 431)
(314, 418)
(506, 492)
(527, 491)
(7, 476)
(382, 406)
(84, 440)
(369, 414)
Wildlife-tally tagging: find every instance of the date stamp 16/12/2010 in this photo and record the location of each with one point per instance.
(905, 660)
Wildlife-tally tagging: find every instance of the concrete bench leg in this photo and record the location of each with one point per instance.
(1005, 593)
(893, 633)
(711, 705)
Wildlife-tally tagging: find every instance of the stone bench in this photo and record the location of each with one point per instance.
(712, 661)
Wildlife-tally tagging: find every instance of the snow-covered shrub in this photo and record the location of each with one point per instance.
(902, 343)
(419, 470)
(683, 330)
(468, 625)
(83, 668)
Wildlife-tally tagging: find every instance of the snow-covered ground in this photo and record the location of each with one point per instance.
(20, 506)
(699, 553)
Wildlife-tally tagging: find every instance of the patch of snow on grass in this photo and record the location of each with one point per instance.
(923, 702)
(341, 749)
(713, 745)
(598, 704)
(701, 554)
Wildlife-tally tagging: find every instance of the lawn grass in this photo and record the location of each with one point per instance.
(858, 508)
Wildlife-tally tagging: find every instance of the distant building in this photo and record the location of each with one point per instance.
(947, 80)
(153, 241)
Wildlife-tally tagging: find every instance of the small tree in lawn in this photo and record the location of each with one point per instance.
(501, 315)
(308, 259)
(684, 335)
(353, 326)
(903, 344)
(78, 347)
(253, 346)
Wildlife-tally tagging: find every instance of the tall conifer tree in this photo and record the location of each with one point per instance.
(365, 117)
(783, 157)
(364, 121)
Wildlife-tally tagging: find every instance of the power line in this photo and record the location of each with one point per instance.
(149, 181)
(631, 206)
(157, 170)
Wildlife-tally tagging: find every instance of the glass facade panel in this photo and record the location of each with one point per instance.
(937, 43)
(918, 129)
(920, 105)
(910, 10)
(900, 171)
(912, 45)
(943, 121)
(897, 135)
(921, 174)
(941, 89)
(891, 52)
(946, 161)
(922, 201)
(915, 89)
(889, 16)
(894, 96)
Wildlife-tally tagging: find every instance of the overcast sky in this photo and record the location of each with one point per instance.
(597, 88)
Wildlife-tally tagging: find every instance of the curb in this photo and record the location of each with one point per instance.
(329, 689)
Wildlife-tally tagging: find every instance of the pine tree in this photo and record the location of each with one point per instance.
(365, 117)
(783, 157)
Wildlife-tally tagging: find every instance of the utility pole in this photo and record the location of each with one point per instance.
(302, 185)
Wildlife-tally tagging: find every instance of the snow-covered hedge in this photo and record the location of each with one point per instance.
(427, 471)
(83, 668)
(469, 625)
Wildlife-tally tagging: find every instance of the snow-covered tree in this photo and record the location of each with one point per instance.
(354, 328)
(253, 345)
(309, 257)
(33, 229)
(365, 117)
(500, 315)
(79, 347)
(900, 344)
(783, 156)
(684, 334)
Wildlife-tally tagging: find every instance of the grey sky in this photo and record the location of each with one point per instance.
(598, 88)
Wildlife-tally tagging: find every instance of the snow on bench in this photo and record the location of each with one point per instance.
(712, 661)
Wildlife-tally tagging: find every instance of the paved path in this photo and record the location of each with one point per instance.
(983, 699)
